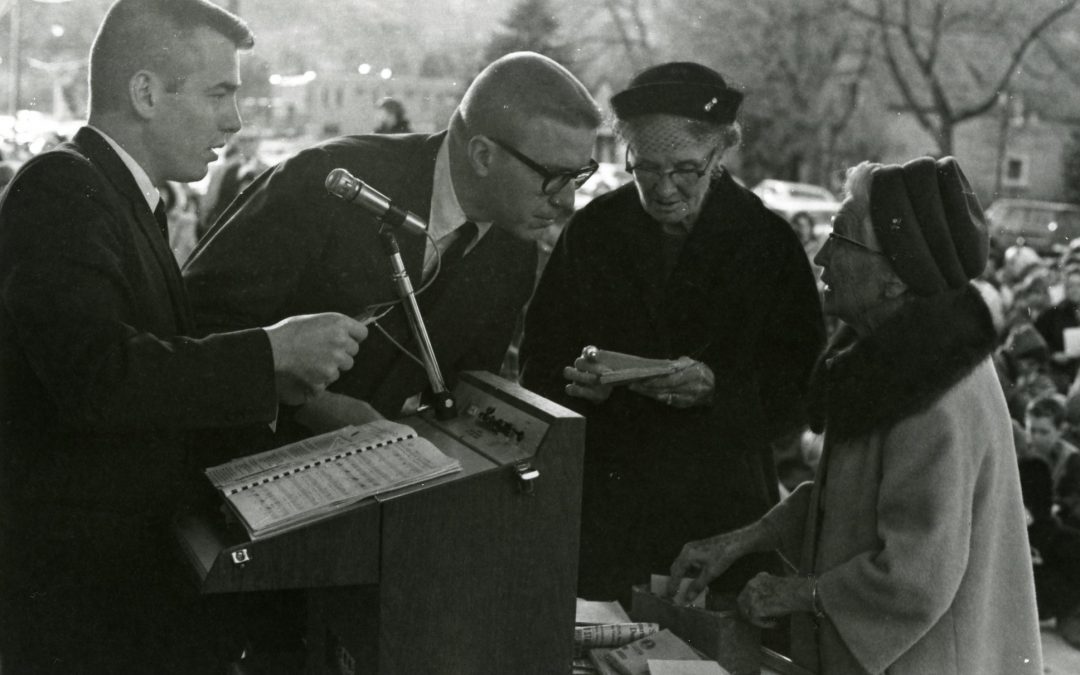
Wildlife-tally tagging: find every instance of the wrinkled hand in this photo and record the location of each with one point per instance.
(708, 559)
(311, 351)
(584, 378)
(766, 597)
(691, 385)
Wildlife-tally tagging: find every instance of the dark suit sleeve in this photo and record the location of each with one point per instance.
(70, 285)
(246, 270)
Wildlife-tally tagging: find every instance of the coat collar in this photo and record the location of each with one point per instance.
(98, 150)
(861, 385)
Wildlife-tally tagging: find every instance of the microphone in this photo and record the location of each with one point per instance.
(343, 184)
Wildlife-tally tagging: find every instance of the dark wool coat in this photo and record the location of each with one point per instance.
(914, 526)
(101, 397)
(98, 387)
(287, 247)
(742, 300)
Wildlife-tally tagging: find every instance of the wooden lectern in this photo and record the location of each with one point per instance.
(471, 573)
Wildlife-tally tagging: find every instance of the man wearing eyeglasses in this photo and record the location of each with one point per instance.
(683, 265)
(518, 146)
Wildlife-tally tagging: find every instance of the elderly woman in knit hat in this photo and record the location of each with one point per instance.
(685, 267)
(908, 551)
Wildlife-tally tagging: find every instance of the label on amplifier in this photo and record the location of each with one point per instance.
(494, 427)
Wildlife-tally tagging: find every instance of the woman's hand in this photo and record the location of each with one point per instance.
(708, 559)
(584, 378)
(691, 385)
(766, 598)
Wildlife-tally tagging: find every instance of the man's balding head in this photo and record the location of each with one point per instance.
(525, 124)
(520, 87)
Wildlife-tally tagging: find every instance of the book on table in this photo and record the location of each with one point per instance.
(312, 479)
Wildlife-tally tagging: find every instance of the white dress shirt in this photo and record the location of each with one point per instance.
(446, 215)
(142, 179)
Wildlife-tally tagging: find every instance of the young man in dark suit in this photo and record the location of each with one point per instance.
(105, 395)
(518, 146)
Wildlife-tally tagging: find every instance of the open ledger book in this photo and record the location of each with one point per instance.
(302, 482)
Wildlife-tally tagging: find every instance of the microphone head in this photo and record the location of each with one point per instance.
(343, 184)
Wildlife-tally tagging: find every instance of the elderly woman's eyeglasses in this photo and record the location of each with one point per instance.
(554, 181)
(833, 236)
(684, 175)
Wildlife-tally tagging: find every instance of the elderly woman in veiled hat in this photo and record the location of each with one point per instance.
(910, 544)
(685, 267)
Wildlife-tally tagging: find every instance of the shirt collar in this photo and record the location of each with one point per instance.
(446, 212)
(142, 179)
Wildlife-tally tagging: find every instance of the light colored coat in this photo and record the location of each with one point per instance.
(921, 552)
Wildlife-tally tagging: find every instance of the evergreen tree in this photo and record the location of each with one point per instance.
(533, 27)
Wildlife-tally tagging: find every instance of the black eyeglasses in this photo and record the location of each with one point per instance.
(554, 181)
(683, 176)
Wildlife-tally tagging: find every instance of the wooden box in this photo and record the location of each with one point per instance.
(717, 631)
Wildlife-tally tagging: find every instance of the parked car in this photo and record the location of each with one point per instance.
(1047, 227)
(801, 204)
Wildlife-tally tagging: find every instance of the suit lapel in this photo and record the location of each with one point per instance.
(136, 210)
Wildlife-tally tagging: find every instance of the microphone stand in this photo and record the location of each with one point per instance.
(445, 407)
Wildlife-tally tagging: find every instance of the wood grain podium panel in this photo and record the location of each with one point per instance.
(485, 568)
(340, 551)
(469, 573)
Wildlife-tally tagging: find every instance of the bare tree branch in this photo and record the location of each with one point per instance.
(642, 31)
(1017, 56)
(624, 34)
(1059, 61)
(976, 74)
(907, 32)
(923, 119)
(937, 30)
(840, 122)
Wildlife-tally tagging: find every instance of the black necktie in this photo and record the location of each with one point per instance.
(456, 251)
(161, 218)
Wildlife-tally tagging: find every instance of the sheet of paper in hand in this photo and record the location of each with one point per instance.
(627, 368)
